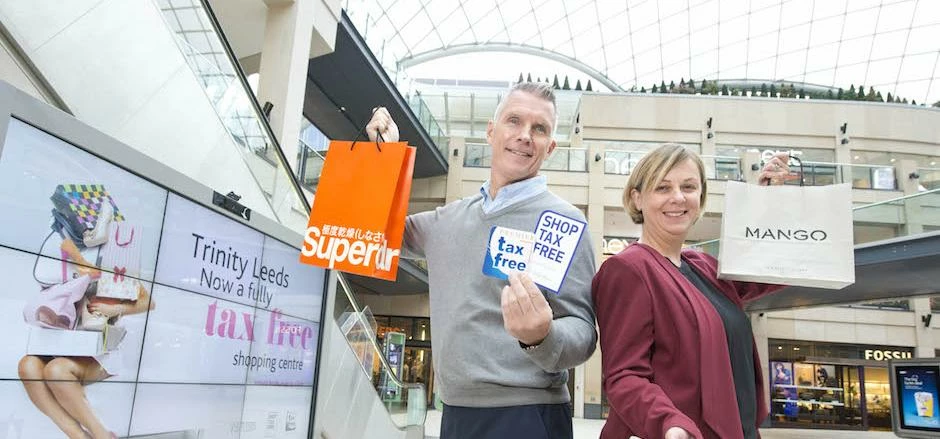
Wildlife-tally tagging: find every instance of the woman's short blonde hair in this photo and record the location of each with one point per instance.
(653, 168)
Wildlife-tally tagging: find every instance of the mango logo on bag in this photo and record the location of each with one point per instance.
(785, 234)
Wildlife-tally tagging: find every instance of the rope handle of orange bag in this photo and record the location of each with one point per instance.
(799, 162)
(378, 136)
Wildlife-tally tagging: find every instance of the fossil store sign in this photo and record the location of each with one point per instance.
(885, 355)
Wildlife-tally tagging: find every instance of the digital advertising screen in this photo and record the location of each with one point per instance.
(128, 309)
(917, 395)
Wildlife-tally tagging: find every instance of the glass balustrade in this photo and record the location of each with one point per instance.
(875, 177)
(428, 122)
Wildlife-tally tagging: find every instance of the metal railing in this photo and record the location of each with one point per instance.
(406, 402)
(427, 120)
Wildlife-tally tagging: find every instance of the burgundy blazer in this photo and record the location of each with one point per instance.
(663, 347)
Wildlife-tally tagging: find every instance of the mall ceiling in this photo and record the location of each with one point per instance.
(891, 45)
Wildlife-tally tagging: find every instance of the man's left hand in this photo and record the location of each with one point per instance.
(526, 314)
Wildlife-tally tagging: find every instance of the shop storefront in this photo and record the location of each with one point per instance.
(831, 385)
(416, 364)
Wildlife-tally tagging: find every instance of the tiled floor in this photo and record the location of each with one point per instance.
(591, 429)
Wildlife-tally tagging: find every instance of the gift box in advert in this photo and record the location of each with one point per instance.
(64, 343)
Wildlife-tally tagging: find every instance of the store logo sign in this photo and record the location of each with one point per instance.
(882, 355)
(612, 246)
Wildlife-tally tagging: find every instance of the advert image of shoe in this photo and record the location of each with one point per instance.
(99, 235)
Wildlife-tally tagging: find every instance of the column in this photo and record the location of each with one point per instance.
(923, 334)
(749, 159)
(295, 31)
(588, 398)
(913, 216)
(708, 148)
(455, 157)
(759, 329)
(843, 155)
(290, 40)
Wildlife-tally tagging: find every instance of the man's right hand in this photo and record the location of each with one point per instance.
(382, 123)
(677, 433)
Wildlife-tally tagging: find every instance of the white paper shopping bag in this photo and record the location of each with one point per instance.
(120, 258)
(788, 235)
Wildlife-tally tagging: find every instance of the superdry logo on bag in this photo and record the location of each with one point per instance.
(785, 234)
(341, 244)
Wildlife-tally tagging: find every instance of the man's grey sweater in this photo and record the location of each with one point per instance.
(477, 363)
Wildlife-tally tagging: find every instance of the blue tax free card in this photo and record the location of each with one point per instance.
(507, 251)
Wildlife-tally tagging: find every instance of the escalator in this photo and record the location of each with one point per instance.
(359, 395)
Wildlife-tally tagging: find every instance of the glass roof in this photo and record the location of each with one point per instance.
(891, 45)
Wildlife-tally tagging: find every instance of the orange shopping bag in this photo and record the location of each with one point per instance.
(358, 216)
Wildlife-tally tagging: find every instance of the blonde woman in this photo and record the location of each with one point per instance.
(678, 355)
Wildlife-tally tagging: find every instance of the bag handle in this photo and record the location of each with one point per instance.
(39, 255)
(378, 136)
(117, 233)
(799, 162)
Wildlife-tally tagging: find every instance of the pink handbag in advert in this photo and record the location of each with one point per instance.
(54, 307)
(120, 260)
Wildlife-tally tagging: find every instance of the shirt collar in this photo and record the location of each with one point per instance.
(512, 193)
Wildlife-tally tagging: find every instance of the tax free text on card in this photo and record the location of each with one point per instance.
(545, 254)
(507, 250)
(556, 240)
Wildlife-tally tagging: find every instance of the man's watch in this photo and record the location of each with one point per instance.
(529, 347)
